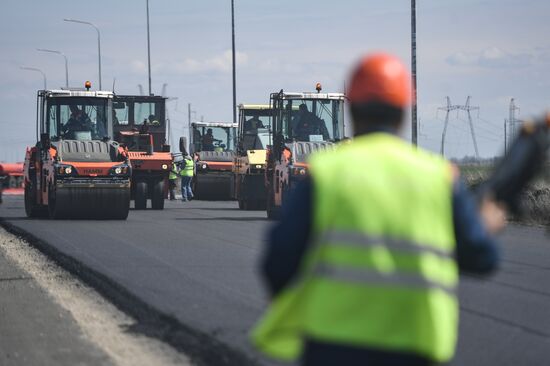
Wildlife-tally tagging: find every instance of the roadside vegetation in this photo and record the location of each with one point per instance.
(535, 200)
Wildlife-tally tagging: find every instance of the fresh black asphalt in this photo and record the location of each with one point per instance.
(195, 264)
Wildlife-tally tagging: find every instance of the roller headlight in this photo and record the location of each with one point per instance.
(164, 166)
(64, 169)
(204, 166)
(120, 170)
(259, 166)
(299, 171)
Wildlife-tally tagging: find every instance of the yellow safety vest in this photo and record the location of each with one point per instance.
(187, 171)
(380, 272)
(174, 172)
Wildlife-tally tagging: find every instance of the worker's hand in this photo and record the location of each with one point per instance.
(493, 215)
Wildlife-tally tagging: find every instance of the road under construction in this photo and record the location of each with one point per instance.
(198, 289)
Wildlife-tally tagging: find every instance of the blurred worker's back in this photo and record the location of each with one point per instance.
(362, 266)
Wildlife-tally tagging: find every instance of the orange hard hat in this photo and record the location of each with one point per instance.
(382, 78)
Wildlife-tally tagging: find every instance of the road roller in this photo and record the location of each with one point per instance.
(76, 169)
(213, 149)
(250, 158)
(140, 125)
(302, 124)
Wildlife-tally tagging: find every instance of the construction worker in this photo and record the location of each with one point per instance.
(363, 266)
(208, 140)
(305, 124)
(172, 180)
(78, 122)
(253, 124)
(186, 172)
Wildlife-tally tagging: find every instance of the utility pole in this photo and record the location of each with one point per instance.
(448, 108)
(233, 61)
(414, 134)
(505, 144)
(512, 121)
(148, 48)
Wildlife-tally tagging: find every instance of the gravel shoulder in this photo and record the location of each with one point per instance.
(47, 317)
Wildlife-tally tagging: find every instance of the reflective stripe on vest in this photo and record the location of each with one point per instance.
(187, 171)
(377, 278)
(380, 272)
(364, 240)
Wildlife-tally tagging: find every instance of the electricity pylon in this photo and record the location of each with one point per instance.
(447, 110)
(467, 107)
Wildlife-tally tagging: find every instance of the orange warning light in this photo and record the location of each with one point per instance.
(318, 87)
(87, 85)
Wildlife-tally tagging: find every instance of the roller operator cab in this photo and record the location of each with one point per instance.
(76, 170)
(302, 124)
(213, 149)
(140, 126)
(250, 158)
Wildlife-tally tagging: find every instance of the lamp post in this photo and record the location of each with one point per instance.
(98, 43)
(37, 70)
(233, 61)
(414, 107)
(66, 63)
(148, 48)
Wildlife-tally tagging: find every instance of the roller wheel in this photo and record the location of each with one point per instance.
(121, 212)
(157, 198)
(140, 200)
(272, 210)
(31, 208)
(52, 209)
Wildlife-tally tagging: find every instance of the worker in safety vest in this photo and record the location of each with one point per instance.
(363, 266)
(172, 180)
(186, 173)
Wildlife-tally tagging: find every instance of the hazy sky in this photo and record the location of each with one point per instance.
(492, 50)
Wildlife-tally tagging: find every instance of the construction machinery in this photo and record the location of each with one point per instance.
(302, 124)
(76, 170)
(11, 179)
(140, 126)
(212, 145)
(250, 158)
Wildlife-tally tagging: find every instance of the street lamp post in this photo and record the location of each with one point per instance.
(66, 63)
(98, 43)
(37, 70)
(414, 107)
(148, 48)
(233, 61)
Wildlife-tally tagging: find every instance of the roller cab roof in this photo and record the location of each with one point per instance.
(214, 124)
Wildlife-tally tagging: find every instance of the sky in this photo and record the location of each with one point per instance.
(491, 50)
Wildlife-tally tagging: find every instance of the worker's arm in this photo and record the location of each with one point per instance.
(476, 248)
(288, 239)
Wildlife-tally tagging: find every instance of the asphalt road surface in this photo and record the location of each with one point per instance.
(196, 262)
(34, 330)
